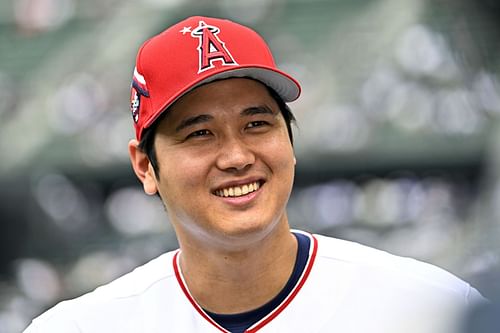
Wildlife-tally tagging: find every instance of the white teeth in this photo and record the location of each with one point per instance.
(237, 191)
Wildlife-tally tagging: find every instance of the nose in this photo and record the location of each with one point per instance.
(234, 155)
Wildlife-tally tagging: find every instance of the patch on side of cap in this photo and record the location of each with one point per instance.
(135, 103)
(138, 89)
(210, 47)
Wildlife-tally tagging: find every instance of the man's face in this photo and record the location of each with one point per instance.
(226, 164)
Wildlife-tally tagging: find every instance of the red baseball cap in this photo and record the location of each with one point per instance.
(195, 51)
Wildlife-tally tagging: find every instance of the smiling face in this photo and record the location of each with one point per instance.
(226, 164)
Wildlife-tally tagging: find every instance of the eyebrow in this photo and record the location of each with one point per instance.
(202, 118)
(257, 110)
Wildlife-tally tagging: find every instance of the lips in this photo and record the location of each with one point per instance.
(238, 190)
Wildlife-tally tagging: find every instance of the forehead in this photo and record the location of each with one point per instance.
(222, 95)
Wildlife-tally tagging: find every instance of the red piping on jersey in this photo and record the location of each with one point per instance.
(294, 293)
(265, 320)
(181, 282)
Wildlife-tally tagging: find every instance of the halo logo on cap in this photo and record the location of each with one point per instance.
(211, 48)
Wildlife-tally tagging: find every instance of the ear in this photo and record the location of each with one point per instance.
(142, 167)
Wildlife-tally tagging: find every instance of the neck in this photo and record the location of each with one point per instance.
(229, 281)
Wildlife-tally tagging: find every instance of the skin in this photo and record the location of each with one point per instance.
(236, 253)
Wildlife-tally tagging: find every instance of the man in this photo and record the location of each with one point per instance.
(214, 142)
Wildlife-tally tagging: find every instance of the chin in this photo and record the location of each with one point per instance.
(246, 231)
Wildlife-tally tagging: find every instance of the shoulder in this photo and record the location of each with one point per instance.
(140, 280)
(397, 272)
(115, 297)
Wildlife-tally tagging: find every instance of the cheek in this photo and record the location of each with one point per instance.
(280, 153)
(181, 175)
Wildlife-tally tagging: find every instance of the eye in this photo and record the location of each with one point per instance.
(257, 123)
(199, 133)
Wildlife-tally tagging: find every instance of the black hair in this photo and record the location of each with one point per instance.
(148, 136)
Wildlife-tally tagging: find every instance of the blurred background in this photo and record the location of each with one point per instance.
(398, 137)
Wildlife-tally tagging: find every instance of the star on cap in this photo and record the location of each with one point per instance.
(185, 30)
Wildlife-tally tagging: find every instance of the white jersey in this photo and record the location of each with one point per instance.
(345, 287)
